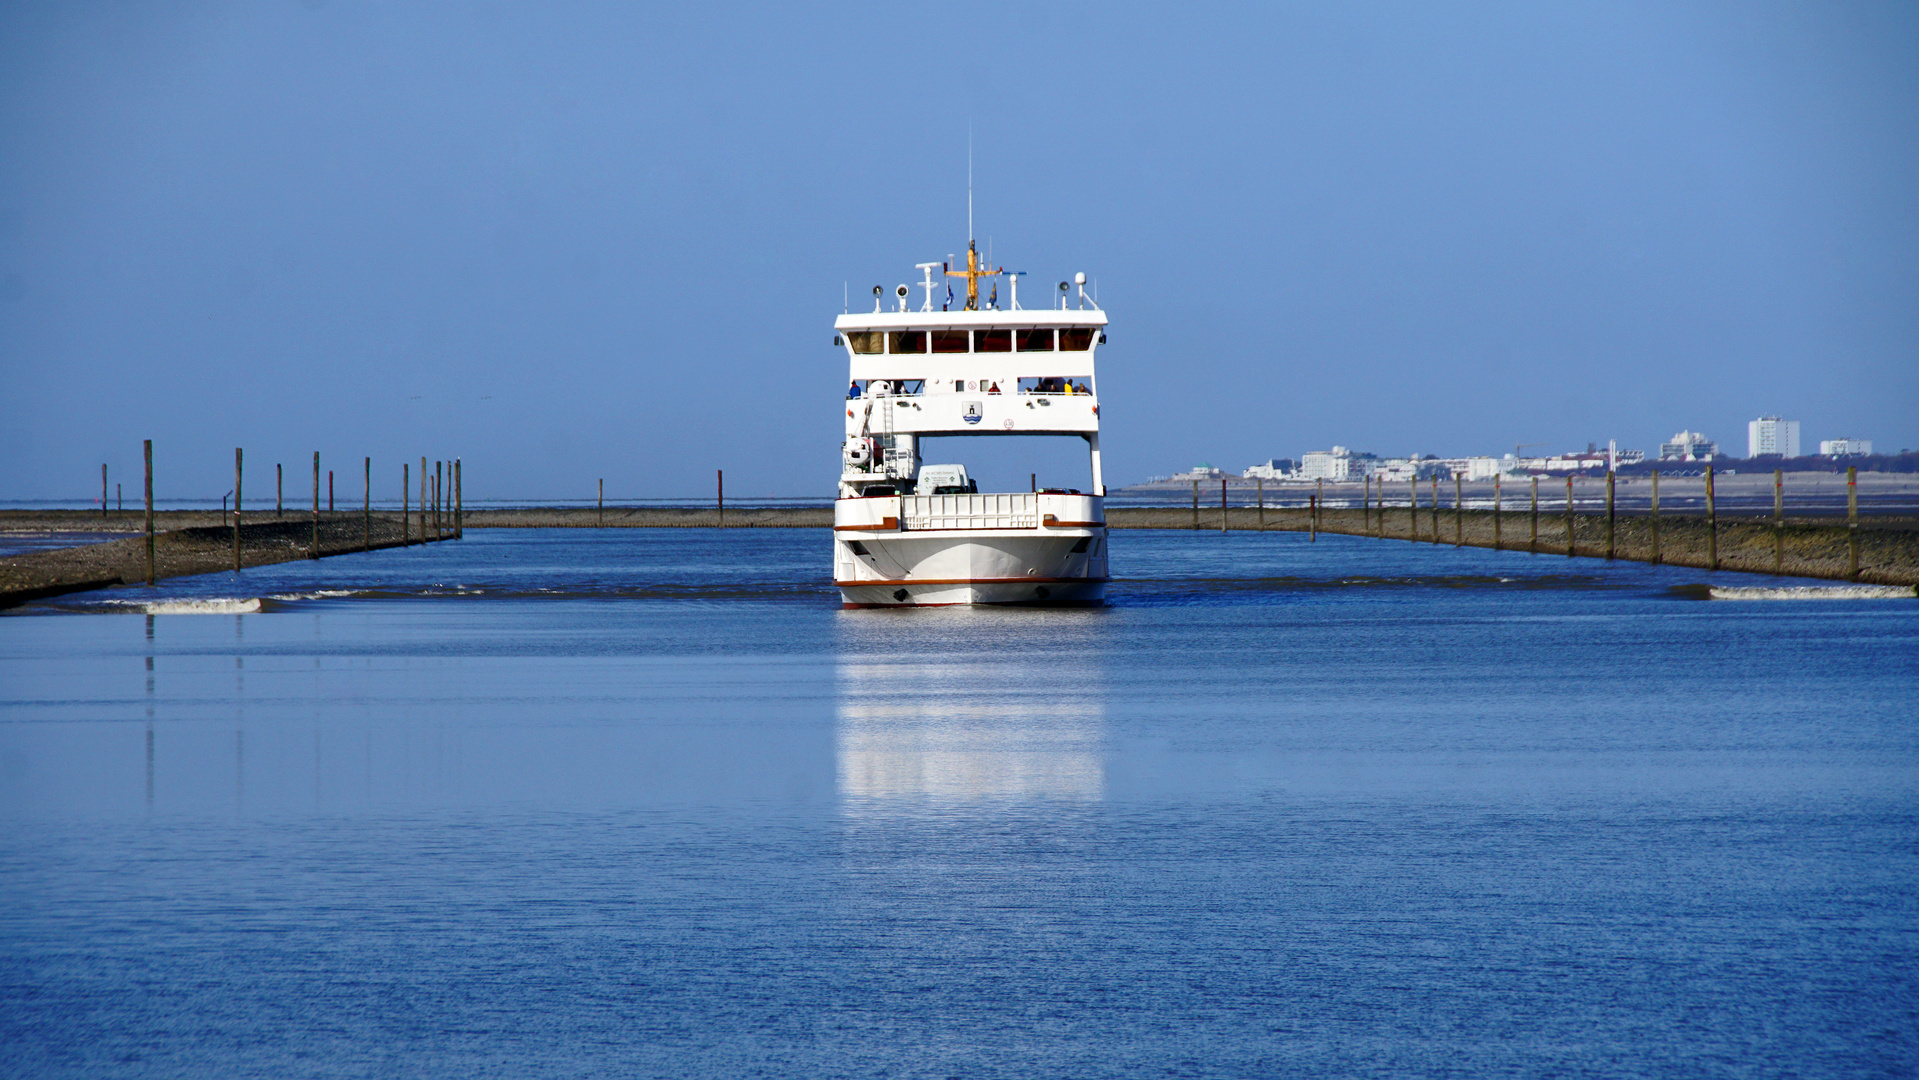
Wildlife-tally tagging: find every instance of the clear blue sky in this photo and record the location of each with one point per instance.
(572, 241)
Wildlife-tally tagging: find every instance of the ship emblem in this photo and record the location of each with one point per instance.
(970, 412)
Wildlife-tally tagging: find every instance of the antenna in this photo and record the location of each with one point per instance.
(969, 180)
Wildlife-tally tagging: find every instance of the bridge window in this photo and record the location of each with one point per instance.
(950, 341)
(866, 341)
(906, 341)
(1076, 339)
(1035, 340)
(995, 341)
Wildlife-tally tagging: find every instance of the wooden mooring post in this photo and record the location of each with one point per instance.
(104, 505)
(406, 506)
(1412, 509)
(1610, 520)
(1259, 486)
(1712, 525)
(315, 553)
(459, 500)
(1222, 504)
(719, 479)
(1571, 545)
(1655, 517)
(1778, 520)
(1459, 513)
(1366, 505)
(236, 509)
(439, 503)
(1852, 523)
(148, 452)
(1319, 500)
(1496, 494)
(1435, 480)
(1195, 500)
(602, 502)
(422, 499)
(279, 492)
(329, 493)
(366, 510)
(1312, 517)
(1532, 545)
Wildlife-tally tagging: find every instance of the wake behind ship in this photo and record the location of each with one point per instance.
(907, 533)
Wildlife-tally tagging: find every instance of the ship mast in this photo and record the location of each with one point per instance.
(973, 272)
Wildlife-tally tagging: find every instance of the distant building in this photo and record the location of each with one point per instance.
(1771, 435)
(1558, 463)
(1473, 468)
(1275, 469)
(1844, 447)
(1400, 470)
(1201, 472)
(1338, 464)
(1688, 446)
(1631, 457)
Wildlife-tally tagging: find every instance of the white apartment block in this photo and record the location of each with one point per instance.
(1844, 447)
(1337, 465)
(1772, 435)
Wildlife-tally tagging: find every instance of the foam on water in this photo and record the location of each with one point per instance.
(1813, 592)
(210, 606)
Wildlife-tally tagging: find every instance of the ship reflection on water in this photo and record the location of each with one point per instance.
(965, 733)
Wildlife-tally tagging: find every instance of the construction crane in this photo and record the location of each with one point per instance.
(1519, 449)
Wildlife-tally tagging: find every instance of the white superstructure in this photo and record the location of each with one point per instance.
(912, 534)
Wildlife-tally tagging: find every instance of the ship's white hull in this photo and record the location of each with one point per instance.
(877, 563)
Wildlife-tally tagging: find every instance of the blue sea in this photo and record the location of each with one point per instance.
(648, 803)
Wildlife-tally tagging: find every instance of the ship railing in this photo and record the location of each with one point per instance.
(1013, 510)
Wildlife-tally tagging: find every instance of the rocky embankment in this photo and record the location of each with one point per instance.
(188, 549)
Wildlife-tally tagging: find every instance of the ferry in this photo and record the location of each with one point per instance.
(908, 533)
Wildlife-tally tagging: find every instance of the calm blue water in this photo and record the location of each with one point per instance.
(647, 803)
